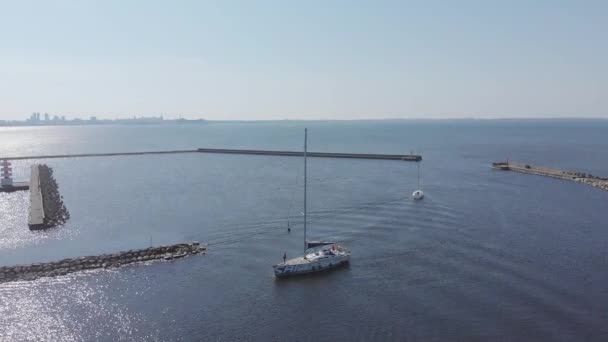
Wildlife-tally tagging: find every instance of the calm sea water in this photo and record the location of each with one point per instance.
(486, 256)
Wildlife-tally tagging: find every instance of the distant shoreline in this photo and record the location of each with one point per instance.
(131, 122)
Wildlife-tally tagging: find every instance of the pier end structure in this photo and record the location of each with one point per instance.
(6, 174)
(6, 178)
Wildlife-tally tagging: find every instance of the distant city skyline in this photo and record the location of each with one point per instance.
(273, 60)
(46, 119)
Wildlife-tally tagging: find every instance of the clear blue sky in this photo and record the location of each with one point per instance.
(304, 59)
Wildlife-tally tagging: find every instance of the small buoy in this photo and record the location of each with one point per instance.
(418, 194)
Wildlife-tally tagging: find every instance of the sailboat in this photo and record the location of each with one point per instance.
(418, 194)
(318, 256)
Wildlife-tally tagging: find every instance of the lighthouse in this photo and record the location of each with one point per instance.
(6, 173)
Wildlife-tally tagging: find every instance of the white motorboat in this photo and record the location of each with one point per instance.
(318, 256)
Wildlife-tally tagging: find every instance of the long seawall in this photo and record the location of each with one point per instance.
(404, 157)
(81, 155)
(66, 266)
(581, 177)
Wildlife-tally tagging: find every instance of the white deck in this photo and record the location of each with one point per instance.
(296, 261)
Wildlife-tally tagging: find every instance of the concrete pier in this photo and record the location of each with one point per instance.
(81, 155)
(66, 266)
(36, 214)
(581, 177)
(7, 184)
(46, 205)
(404, 157)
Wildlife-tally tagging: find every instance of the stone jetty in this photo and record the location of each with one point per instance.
(46, 204)
(581, 177)
(65, 266)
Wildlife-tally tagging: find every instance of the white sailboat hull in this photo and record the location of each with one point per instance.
(418, 195)
(313, 262)
(285, 269)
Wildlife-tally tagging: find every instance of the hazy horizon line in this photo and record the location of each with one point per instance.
(417, 119)
(471, 118)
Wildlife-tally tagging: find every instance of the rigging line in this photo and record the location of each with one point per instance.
(245, 235)
(262, 230)
(338, 218)
(293, 197)
(297, 220)
(327, 213)
(242, 237)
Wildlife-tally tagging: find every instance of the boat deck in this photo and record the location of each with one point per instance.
(316, 254)
(296, 261)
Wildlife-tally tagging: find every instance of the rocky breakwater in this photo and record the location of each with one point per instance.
(581, 177)
(55, 212)
(589, 179)
(65, 266)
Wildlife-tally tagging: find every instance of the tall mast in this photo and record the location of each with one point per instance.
(305, 149)
(418, 164)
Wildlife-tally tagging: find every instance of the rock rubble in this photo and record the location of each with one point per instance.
(65, 266)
